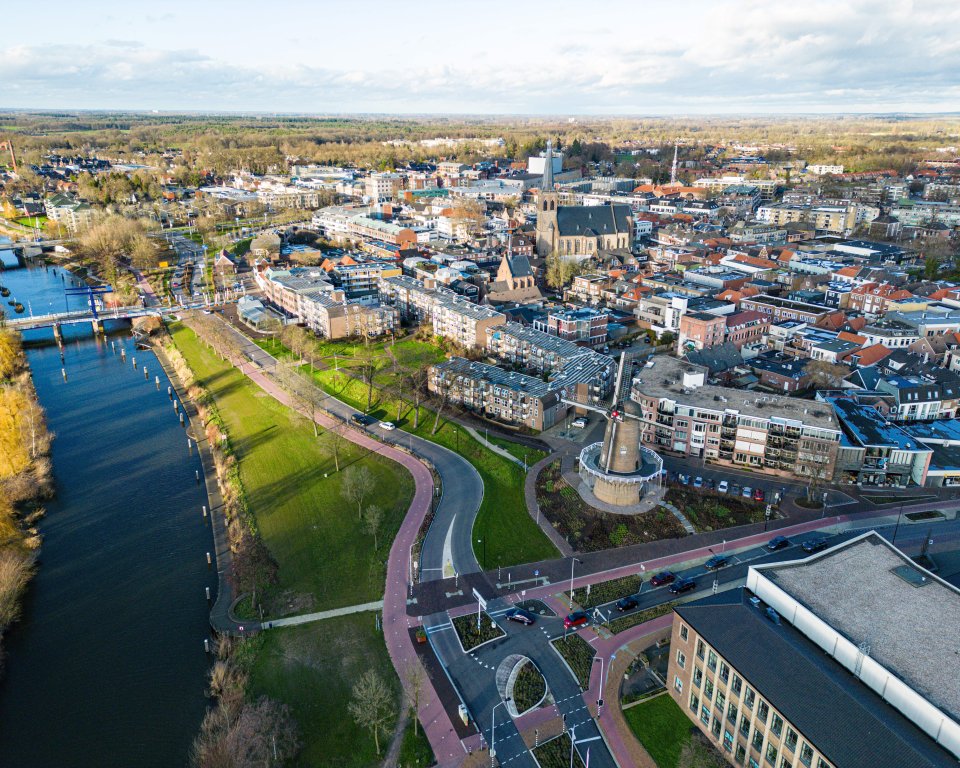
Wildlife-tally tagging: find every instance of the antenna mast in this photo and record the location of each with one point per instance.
(673, 169)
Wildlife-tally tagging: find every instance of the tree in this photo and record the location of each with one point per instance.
(357, 483)
(698, 753)
(825, 375)
(417, 380)
(372, 519)
(337, 438)
(415, 677)
(372, 704)
(368, 365)
(667, 338)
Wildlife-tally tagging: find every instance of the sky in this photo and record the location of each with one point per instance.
(591, 57)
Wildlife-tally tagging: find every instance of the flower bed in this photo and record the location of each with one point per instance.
(470, 636)
(709, 511)
(578, 654)
(606, 591)
(590, 530)
(626, 622)
(529, 688)
(556, 753)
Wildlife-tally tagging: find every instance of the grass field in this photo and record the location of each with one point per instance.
(661, 727)
(321, 547)
(312, 668)
(511, 536)
(415, 751)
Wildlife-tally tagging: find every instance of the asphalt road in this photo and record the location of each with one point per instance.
(448, 541)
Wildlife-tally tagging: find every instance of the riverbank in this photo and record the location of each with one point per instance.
(25, 478)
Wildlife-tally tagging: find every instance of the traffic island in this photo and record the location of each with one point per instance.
(529, 688)
(556, 753)
(578, 655)
(472, 633)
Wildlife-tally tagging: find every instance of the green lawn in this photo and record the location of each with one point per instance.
(662, 728)
(312, 668)
(292, 487)
(415, 751)
(511, 536)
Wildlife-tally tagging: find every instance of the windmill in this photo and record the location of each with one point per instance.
(617, 469)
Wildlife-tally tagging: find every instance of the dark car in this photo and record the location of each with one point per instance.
(712, 484)
(664, 577)
(575, 619)
(626, 603)
(521, 616)
(758, 494)
(717, 562)
(362, 419)
(778, 542)
(813, 545)
(683, 585)
(734, 490)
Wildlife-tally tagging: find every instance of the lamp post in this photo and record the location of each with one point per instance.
(484, 542)
(897, 526)
(572, 561)
(493, 730)
(600, 693)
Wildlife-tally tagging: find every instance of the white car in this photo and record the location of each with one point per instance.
(580, 422)
(723, 486)
(387, 425)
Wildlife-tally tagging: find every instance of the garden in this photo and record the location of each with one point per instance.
(578, 654)
(590, 530)
(556, 753)
(606, 591)
(473, 633)
(624, 623)
(711, 511)
(529, 688)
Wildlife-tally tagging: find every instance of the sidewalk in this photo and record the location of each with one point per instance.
(533, 508)
(493, 446)
(306, 618)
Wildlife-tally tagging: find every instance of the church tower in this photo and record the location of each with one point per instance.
(547, 235)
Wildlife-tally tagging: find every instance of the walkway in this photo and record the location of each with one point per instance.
(307, 618)
(533, 508)
(494, 447)
(397, 625)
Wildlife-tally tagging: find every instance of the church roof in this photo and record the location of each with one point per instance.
(519, 265)
(592, 220)
(547, 183)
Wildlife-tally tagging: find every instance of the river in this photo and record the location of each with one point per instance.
(107, 666)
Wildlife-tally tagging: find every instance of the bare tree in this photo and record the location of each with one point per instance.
(372, 704)
(357, 483)
(415, 677)
(443, 392)
(337, 439)
(373, 519)
(826, 375)
(417, 380)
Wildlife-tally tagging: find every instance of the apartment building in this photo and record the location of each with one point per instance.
(874, 299)
(833, 219)
(701, 330)
(781, 310)
(766, 433)
(814, 664)
(537, 351)
(661, 312)
(384, 231)
(583, 326)
(464, 322)
(746, 328)
(72, 214)
(589, 288)
(382, 186)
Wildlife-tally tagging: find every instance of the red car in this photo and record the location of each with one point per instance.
(664, 577)
(758, 494)
(575, 619)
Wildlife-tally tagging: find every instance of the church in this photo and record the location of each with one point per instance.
(579, 230)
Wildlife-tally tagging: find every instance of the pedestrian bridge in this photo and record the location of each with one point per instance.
(76, 317)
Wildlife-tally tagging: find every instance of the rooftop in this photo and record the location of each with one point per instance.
(868, 427)
(665, 381)
(871, 593)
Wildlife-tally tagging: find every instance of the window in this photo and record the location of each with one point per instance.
(821, 763)
(757, 742)
(697, 676)
(715, 728)
(700, 649)
(694, 702)
(728, 741)
(754, 763)
(762, 711)
(708, 690)
(745, 726)
(724, 672)
(720, 702)
(684, 633)
(732, 712)
(681, 659)
(786, 762)
(748, 698)
(806, 754)
(705, 714)
(740, 755)
(678, 684)
(776, 724)
(712, 662)
(791, 740)
(736, 685)
(771, 754)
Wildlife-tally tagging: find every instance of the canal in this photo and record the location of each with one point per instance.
(107, 666)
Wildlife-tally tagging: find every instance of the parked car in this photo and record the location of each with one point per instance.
(747, 492)
(723, 487)
(683, 585)
(734, 490)
(388, 425)
(362, 419)
(698, 482)
(813, 545)
(626, 603)
(684, 480)
(759, 495)
(712, 484)
(717, 562)
(778, 542)
(664, 577)
(580, 422)
(576, 619)
(521, 616)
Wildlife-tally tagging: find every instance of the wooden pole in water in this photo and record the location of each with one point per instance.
(157, 380)
(64, 372)
(209, 559)
(145, 377)
(204, 510)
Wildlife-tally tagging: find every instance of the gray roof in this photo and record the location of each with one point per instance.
(519, 266)
(593, 220)
(838, 715)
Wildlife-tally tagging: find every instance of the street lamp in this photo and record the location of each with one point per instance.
(484, 542)
(897, 527)
(493, 730)
(600, 693)
(572, 561)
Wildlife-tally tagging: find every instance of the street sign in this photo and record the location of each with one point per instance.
(479, 599)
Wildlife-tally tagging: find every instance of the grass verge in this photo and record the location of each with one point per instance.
(556, 753)
(605, 591)
(415, 752)
(578, 654)
(634, 619)
(661, 727)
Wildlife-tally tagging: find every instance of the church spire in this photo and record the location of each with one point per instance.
(547, 184)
